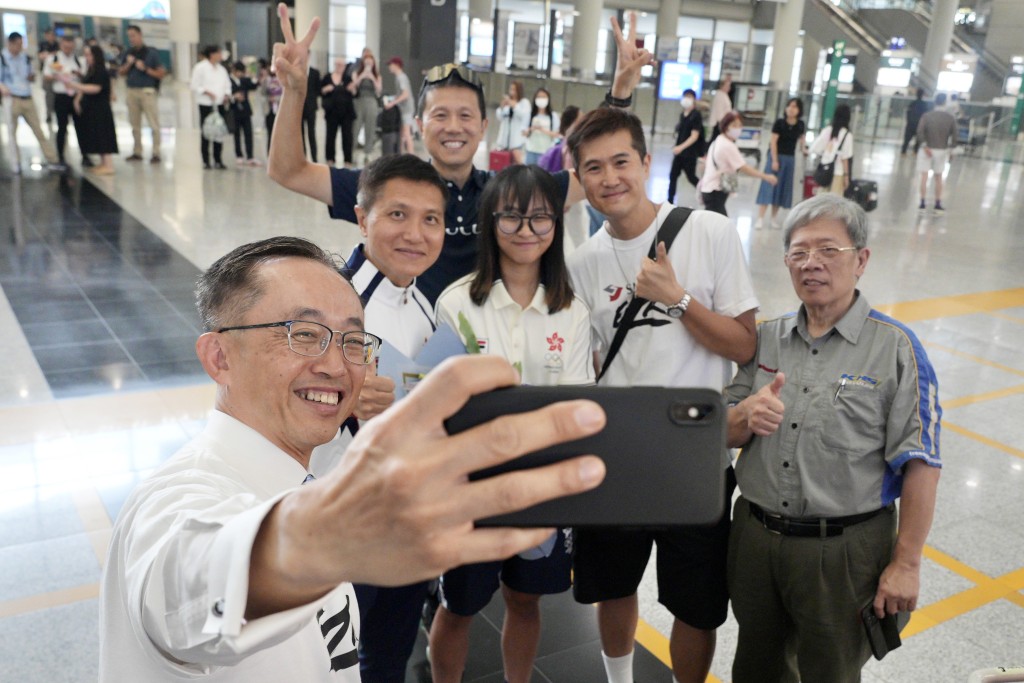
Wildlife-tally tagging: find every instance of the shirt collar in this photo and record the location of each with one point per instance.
(849, 326)
(477, 179)
(502, 299)
(260, 464)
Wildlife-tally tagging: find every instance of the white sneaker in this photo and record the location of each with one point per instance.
(759, 224)
(776, 224)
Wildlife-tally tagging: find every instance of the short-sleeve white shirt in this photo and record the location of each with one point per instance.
(658, 350)
(828, 148)
(723, 157)
(548, 348)
(69, 64)
(175, 586)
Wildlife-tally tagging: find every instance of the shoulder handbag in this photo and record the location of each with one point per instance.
(824, 173)
(728, 182)
(672, 226)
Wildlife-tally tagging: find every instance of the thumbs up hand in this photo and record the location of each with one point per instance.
(765, 408)
(657, 279)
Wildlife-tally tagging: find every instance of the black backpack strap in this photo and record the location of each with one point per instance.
(673, 224)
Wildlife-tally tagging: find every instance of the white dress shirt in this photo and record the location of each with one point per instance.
(175, 586)
(210, 78)
(68, 64)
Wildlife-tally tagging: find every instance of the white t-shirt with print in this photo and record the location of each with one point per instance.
(658, 350)
(547, 348)
(828, 148)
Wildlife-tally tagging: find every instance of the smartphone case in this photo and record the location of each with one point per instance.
(664, 467)
(883, 634)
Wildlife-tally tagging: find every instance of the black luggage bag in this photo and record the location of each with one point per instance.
(864, 192)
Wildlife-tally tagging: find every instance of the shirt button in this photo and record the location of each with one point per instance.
(785, 504)
(460, 197)
(814, 352)
(218, 608)
(459, 219)
(785, 464)
(806, 389)
(793, 426)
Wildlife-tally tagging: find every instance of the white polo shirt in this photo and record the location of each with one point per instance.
(546, 348)
(72, 64)
(708, 261)
(176, 582)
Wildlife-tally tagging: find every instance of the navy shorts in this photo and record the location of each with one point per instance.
(467, 589)
(609, 563)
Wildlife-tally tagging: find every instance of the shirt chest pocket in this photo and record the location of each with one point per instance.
(853, 418)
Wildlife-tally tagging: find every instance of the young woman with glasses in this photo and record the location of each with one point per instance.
(518, 304)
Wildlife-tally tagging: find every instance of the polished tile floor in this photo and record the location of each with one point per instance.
(99, 385)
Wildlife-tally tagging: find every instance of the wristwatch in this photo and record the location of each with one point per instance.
(677, 310)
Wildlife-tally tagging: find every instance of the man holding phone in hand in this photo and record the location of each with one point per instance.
(696, 316)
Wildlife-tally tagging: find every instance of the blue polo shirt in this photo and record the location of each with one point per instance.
(15, 73)
(136, 77)
(458, 255)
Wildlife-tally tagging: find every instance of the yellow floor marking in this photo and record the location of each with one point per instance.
(982, 439)
(973, 358)
(980, 398)
(34, 603)
(949, 306)
(954, 565)
(657, 645)
(95, 520)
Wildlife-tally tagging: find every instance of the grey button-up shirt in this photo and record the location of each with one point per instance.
(861, 401)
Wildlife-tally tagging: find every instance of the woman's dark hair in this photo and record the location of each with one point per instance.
(238, 66)
(99, 60)
(799, 106)
(728, 120)
(512, 190)
(533, 105)
(840, 119)
(210, 50)
(569, 116)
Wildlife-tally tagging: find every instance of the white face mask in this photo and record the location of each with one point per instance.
(686, 103)
(734, 133)
(541, 102)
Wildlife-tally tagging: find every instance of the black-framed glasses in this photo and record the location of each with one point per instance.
(443, 72)
(798, 257)
(510, 222)
(308, 338)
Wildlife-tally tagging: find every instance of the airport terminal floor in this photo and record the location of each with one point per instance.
(99, 384)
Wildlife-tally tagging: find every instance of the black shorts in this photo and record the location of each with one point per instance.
(467, 589)
(609, 562)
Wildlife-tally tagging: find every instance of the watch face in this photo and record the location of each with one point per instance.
(675, 311)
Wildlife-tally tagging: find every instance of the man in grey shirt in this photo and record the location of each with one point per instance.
(937, 133)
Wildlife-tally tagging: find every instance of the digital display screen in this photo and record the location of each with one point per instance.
(677, 77)
(894, 78)
(954, 81)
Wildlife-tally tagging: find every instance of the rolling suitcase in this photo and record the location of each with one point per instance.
(809, 186)
(864, 192)
(500, 159)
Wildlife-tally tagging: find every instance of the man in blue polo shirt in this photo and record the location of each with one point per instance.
(16, 77)
(453, 121)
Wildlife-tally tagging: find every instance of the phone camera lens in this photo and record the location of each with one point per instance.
(683, 413)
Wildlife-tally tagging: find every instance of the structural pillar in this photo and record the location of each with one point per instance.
(585, 25)
(373, 31)
(940, 35)
(305, 11)
(184, 33)
(667, 46)
(789, 17)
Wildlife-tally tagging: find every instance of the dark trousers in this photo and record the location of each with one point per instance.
(309, 130)
(269, 120)
(345, 125)
(680, 165)
(715, 201)
(64, 108)
(908, 134)
(389, 620)
(204, 144)
(243, 127)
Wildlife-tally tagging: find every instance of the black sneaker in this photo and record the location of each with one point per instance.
(922, 206)
(938, 208)
(155, 159)
(219, 166)
(206, 166)
(86, 162)
(134, 157)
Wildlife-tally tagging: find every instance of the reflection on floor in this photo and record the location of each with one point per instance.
(100, 384)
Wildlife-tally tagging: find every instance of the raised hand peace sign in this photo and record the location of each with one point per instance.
(630, 59)
(291, 58)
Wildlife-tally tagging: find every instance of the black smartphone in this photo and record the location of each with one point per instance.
(883, 634)
(663, 451)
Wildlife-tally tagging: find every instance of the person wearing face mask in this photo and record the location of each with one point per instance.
(366, 87)
(514, 114)
(725, 158)
(689, 144)
(543, 130)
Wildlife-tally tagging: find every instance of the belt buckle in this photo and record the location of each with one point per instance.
(764, 522)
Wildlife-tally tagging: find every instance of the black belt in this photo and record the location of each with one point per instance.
(824, 527)
(22, 97)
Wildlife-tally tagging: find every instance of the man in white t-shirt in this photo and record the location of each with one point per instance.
(226, 565)
(699, 317)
